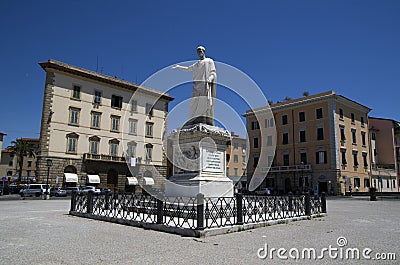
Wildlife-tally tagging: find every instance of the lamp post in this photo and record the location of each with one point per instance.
(49, 163)
(302, 177)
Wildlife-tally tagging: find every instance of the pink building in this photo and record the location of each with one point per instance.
(385, 158)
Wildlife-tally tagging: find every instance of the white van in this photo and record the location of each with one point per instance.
(31, 190)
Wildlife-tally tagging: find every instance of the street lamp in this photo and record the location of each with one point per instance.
(49, 163)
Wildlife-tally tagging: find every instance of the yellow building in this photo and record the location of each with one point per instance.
(321, 145)
(236, 160)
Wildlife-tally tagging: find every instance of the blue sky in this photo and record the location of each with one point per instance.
(286, 47)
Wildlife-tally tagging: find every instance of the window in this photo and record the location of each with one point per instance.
(302, 116)
(76, 92)
(97, 97)
(364, 155)
(94, 145)
(149, 152)
(227, 171)
(320, 134)
(366, 183)
(319, 113)
(255, 142)
(344, 161)
(235, 171)
(341, 114)
(354, 136)
(387, 183)
(394, 183)
(95, 120)
(284, 119)
(131, 149)
(321, 157)
(357, 182)
(134, 106)
(115, 123)
(72, 142)
(355, 160)
(235, 146)
(133, 127)
(362, 121)
(74, 116)
(342, 134)
(285, 138)
(149, 109)
(302, 136)
(116, 101)
(353, 121)
(243, 159)
(255, 125)
(113, 147)
(149, 129)
(286, 159)
(255, 160)
(29, 163)
(363, 139)
(269, 140)
(269, 123)
(28, 173)
(236, 159)
(303, 157)
(373, 136)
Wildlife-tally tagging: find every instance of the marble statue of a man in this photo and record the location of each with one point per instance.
(204, 89)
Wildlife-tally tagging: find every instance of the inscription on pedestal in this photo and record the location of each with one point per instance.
(213, 161)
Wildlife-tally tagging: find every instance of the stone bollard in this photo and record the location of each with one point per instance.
(323, 202)
(200, 211)
(372, 194)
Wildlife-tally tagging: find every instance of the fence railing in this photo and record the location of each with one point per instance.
(196, 213)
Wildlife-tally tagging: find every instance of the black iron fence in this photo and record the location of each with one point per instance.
(195, 213)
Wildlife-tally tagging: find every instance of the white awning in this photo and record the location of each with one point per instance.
(93, 179)
(71, 177)
(131, 181)
(148, 181)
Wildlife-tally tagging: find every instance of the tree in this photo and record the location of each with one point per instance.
(21, 148)
(306, 93)
(287, 98)
(270, 101)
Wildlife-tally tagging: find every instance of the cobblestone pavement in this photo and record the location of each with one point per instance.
(41, 232)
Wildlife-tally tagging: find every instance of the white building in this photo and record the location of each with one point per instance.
(92, 124)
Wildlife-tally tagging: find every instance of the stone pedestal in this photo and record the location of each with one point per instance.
(199, 162)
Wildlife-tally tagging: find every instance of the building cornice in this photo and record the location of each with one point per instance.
(63, 67)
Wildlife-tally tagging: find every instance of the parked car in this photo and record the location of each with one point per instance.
(14, 188)
(105, 191)
(57, 192)
(90, 189)
(31, 190)
(69, 190)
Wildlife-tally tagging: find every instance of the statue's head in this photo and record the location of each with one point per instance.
(201, 51)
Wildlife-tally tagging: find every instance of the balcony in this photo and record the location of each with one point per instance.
(384, 170)
(103, 158)
(294, 168)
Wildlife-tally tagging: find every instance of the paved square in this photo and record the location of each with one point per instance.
(42, 232)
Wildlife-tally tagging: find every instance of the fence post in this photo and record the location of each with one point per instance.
(290, 201)
(89, 202)
(160, 211)
(239, 208)
(323, 202)
(107, 201)
(73, 202)
(307, 201)
(200, 211)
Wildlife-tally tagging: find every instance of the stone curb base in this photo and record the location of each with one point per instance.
(192, 232)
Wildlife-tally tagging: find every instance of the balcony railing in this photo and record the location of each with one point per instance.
(294, 168)
(102, 157)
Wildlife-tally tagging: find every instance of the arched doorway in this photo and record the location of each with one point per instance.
(112, 179)
(70, 178)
